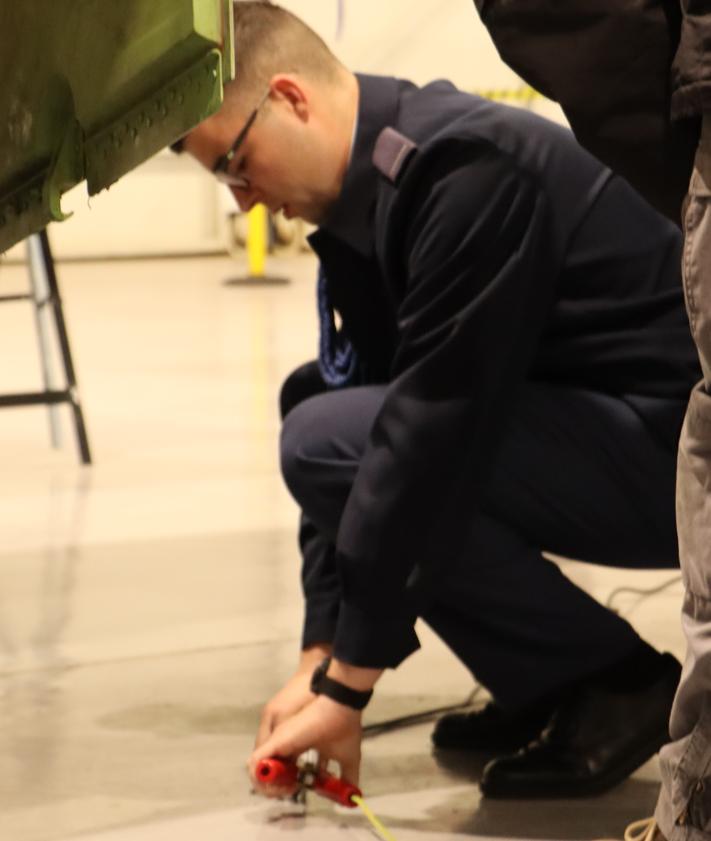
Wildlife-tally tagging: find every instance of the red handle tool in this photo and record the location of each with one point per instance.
(281, 772)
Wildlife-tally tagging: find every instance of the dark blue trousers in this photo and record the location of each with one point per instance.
(579, 474)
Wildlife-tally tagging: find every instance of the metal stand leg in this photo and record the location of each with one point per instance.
(55, 302)
(40, 298)
(46, 295)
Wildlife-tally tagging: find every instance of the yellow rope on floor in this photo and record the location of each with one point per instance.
(376, 824)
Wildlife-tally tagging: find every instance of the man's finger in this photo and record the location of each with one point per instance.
(266, 727)
(350, 769)
(287, 741)
(269, 749)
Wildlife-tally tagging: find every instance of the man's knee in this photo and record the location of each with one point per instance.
(301, 439)
(323, 440)
(304, 382)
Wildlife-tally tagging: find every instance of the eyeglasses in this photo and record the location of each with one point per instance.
(221, 168)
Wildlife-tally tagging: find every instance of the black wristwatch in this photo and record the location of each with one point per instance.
(336, 691)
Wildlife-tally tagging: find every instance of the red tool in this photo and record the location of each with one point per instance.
(281, 772)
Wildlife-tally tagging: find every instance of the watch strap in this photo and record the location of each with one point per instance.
(321, 684)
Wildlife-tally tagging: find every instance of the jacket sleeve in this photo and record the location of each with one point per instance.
(320, 584)
(477, 270)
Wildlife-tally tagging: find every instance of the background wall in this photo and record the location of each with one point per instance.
(168, 206)
(420, 40)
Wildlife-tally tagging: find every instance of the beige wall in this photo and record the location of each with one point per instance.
(169, 206)
(420, 40)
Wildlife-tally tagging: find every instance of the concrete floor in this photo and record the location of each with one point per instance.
(150, 604)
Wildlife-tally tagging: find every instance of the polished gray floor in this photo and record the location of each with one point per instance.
(149, 605)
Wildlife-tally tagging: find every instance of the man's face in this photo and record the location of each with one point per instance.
(284, 161)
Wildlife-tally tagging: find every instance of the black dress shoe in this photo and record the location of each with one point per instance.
(491, 728)
(594, 740)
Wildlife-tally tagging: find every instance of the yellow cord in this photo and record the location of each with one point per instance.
(524, 93)
(377, 825)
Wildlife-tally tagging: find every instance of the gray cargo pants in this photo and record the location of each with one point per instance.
(684, 807)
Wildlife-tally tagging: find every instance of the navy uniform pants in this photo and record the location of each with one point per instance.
(579, 474)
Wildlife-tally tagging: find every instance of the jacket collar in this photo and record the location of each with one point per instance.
(350, 218)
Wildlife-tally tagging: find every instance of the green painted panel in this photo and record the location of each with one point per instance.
(92, 88)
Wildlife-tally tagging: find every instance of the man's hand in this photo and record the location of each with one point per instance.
(293, 697)
(332, 729)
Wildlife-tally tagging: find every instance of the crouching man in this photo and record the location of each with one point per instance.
(508, 378)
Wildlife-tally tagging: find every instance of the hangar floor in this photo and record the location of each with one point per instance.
(150, 604)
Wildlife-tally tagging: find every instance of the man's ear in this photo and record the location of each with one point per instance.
(291, 90)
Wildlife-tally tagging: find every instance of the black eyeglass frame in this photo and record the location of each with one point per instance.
(221, 168)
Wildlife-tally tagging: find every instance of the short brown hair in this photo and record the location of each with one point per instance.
(270, 40)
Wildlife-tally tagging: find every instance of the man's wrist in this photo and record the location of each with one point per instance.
(313, 655)
(324, 684)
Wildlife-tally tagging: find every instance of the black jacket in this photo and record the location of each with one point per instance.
(462, 274)
(613, 65)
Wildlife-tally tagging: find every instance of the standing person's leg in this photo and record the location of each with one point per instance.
(684, 808)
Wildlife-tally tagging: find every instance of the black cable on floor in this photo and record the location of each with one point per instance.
(642, 593)
(387, 726)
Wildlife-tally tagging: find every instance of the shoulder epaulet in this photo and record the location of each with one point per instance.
(392, 151)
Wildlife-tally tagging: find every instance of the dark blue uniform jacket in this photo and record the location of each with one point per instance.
(460, 276)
